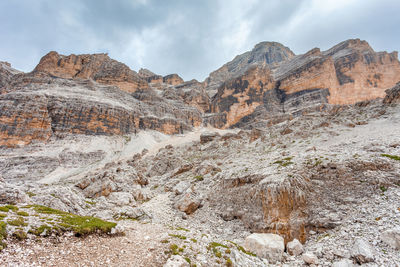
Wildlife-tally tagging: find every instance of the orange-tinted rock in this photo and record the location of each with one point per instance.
(347, 73)
(173, 79)
(98, 67)
(23, 119)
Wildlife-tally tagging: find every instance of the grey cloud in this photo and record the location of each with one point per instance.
(191, 38)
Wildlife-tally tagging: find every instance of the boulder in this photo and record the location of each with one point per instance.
(121, 198)
(181, 187)
(310, 258)
(294, 247)
(392, 237)
(268, 246)
(188, 203)
(362, 251)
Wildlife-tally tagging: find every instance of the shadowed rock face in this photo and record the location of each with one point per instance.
(392, 95)
(347, 73)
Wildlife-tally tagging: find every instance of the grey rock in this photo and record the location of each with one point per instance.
(362, 251)
(181, 187)
(310, 258)
(392, 237)
(294, 247)
(268, 246)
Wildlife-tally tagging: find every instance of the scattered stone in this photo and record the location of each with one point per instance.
(310, 258)
(181, 187)
(268, 246)
(188, 203)
(362, 251)
(294, 247)
(392, 237)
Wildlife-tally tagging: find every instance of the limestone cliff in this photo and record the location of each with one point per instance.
(347, 73)
(99, 67)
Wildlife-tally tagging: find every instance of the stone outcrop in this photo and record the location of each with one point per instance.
(392, 95)
(347, 73)
(173, 79)
(264, 53)
(268, 246)
(99, 67)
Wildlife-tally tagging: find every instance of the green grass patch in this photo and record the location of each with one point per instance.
(174, 249)
(3, 235)
(22, 213)
(240, 248)
(182, 229)
(84, 225)
(383, 189)
(7, 208)
(178, 236)
(47, 210)
(17, 222)
(30, 194)
(40, 230)
(284, 162)
(2, 215)
(20, 235)
(199, 178)
(391, 156)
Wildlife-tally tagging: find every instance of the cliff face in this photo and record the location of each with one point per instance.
(94, 94)
(98, 67)
(55, 102)
(267, 53)
(347, 73)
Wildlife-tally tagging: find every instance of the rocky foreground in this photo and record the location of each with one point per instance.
(326, 184)
(276, 159)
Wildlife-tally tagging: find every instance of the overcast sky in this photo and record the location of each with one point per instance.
(191, 38)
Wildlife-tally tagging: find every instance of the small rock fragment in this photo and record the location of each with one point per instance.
(294, 247)
(362, 251)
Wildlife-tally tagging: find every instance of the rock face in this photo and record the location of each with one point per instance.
(262, 53)
(347, 73)
(98, 67)
(392, 95)
(268, 246)
(96, 95)
(87, 94)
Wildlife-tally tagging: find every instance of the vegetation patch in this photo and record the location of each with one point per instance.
(47, 210)
(20, 235)
(84, 225)
(284, 162)
(240, 248)
(178, 236)
(22, 213)
(199, 178)
(7, 208)
(3, 235)
(17, 222)
(38, 231)
(391, 156)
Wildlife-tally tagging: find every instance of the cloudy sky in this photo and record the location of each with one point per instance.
(191, 38)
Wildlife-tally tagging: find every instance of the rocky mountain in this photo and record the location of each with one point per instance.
(300, 169)
(347, 73)
(94, 94)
